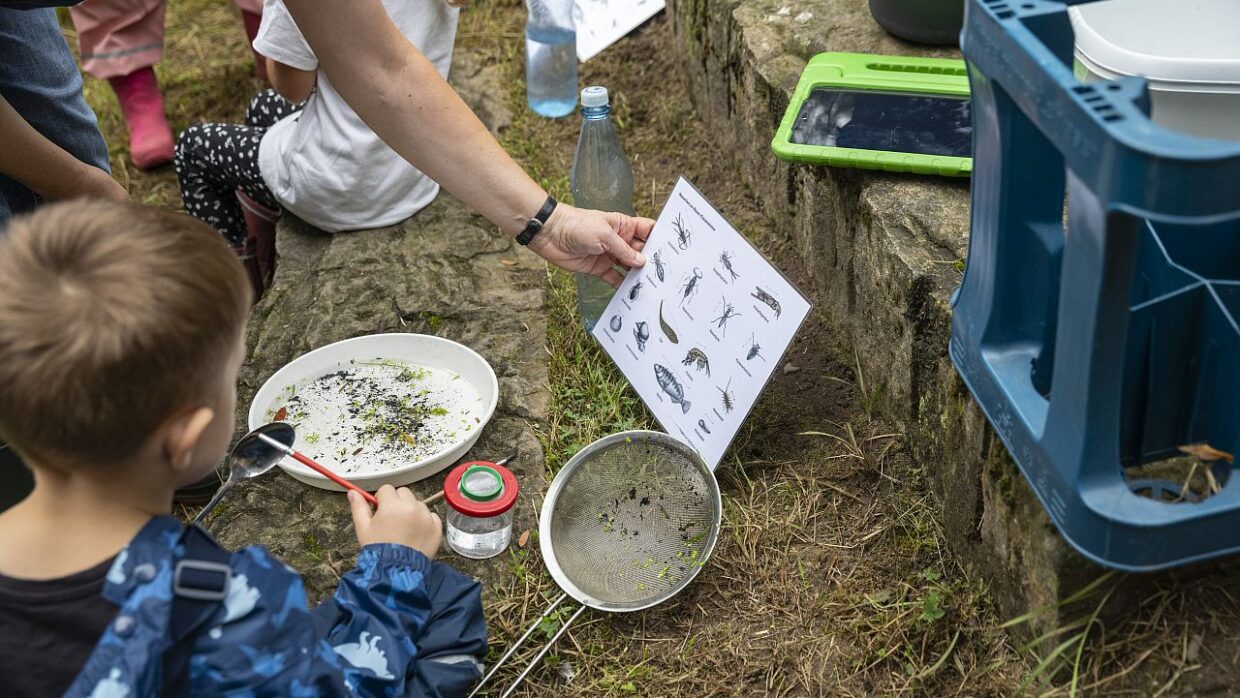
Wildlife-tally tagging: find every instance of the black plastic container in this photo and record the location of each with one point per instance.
(935, 22)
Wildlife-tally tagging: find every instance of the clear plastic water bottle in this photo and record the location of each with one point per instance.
(551, 57)
(480, 496)
(602, 179)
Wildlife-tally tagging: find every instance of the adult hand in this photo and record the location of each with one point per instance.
(401, 518)
(593, 242)
(84, 181)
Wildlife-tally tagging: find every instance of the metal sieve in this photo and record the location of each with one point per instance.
(626, 524)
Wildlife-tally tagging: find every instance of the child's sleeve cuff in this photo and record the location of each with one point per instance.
(393, 554)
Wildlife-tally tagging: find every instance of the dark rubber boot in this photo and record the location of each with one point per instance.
(260, 224)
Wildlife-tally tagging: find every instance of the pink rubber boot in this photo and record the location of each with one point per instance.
(251, 21)
(150, 138)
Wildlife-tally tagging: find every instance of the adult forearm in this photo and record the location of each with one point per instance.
(403, 99)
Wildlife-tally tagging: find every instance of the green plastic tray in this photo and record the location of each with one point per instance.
(859, 71)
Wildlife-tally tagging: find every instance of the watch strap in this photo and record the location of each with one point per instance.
(537, 222)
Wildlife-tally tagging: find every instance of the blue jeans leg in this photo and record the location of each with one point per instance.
(39, 78)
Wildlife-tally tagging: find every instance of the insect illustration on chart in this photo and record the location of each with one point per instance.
(729, 312)
(671, 386)
(641, 332)
(726, 397)
(657, 258)
(667, 328)
(635, 291)
(689, 288)
(755, 349)
(616, 322)
(698, 359)
(726, 260)
(768, 299)
(702, 426)
(684, 236)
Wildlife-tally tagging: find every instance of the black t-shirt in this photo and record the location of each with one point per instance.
(48, 629)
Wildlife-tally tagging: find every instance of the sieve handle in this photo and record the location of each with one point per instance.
(546, 648)
(516, 645)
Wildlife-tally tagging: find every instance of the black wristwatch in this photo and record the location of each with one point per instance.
(537, 222)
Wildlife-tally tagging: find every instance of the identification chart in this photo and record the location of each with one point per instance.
(699, 329)
(601, 23)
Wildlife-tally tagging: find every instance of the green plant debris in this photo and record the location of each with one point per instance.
(384, 412)
(550, 625)
(314, 549)
(930, 608)
(409, 373)
(431, 319)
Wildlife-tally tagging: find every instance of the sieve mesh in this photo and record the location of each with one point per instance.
(632, 521)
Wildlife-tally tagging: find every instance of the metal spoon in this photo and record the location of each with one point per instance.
(252, 457)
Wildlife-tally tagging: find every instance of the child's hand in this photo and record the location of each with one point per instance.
(400, 518)
(83, 181)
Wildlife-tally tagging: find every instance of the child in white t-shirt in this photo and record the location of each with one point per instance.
(315, 158)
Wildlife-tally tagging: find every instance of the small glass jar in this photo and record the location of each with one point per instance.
(480, 496)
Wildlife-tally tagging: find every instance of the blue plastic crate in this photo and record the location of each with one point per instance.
(1105, 334)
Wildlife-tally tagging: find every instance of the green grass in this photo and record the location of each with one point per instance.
(589, 396)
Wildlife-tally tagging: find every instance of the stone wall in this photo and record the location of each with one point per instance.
(888, 249)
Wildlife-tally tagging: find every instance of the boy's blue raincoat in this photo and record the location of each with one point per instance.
(398, 625)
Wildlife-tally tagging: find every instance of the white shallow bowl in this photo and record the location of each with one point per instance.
(420, 349)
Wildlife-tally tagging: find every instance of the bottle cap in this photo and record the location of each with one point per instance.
(594, 96)
(480, 489)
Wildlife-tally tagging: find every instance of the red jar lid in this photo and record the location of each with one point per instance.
(480, 489)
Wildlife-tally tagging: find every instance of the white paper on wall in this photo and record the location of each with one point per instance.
(699, 329)
(601, 23)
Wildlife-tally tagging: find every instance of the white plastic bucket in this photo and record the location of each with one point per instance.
(1188, 50)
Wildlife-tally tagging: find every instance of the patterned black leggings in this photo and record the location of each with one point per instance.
(213, 161)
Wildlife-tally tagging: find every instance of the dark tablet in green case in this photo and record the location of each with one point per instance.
(880, 112)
